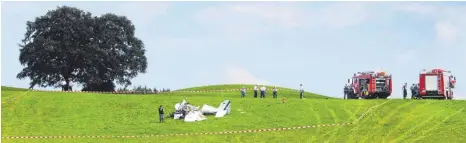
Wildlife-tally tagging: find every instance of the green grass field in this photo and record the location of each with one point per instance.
(87, 114)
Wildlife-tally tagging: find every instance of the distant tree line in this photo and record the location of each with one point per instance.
(144, 90)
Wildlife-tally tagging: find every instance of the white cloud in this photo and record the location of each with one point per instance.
(243, 19)
(341, 15)
(417, 7)
(283, 14)
(406, 56)
(446, 32)
(450, 21)
(239, 75)
(141, 13)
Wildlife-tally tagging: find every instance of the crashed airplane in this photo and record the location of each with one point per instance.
(191, 113)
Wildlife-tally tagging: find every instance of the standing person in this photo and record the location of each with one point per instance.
(416, 90)
(70, 86)
(412, 91)
(243, 92)
(63, 86)
(275, 92)
(255, 91)
(161, 114)
(301, 91)
(263, 91)
(405, 92)
(345, 91)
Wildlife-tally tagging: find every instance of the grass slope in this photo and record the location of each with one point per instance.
(54, 114)
(286, 91)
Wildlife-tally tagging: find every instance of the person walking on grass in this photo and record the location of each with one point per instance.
(255, 91)
(301, 91)
(263, 89)
(275, 92)
(161, 114)
(243, 92)
(405, 92)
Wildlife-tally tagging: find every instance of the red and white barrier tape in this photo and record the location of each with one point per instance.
(186, 134)
(180, 91)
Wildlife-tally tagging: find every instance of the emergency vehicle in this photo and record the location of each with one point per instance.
(436, 83)
(370, 85)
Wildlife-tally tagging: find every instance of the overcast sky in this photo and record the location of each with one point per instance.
(318, 44)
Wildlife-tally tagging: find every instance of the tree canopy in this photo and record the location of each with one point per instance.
(69, 44)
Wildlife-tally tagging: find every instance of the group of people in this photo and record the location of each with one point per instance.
(263, 91)
(414, 91)
(347, 90)
(65, 87)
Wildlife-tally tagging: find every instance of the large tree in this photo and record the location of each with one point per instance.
(68, 44)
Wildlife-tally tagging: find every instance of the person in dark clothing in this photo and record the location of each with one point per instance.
(416, 91)
(161, 114)
(412, 92)
(345, 92)
(275, 92)
(255, 91)
(405, 92)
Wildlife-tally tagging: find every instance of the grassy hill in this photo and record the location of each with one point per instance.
(293, 93)
(86, 114)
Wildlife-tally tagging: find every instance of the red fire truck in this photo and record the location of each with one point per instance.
(370, 85)
(436, 83)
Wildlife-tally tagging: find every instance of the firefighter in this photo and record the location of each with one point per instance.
(275, 92)
(263, 91)
(345, 91)
(243, 92)
(412, 92)
(301, 91)
(161, 115)
(405, 93)
(255, 91)
(416, 90)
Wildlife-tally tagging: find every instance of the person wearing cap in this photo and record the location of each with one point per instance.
(263, 91)
(243, 92)
(405, 92)
(275, 92)
(161, 114)
(255, 91)
(301, 91)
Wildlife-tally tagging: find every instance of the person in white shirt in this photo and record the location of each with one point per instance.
(255, 91)
(263, 91)
(301, 91)
(63, 85)
(275, 92)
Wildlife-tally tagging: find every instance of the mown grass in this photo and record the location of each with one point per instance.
(54, 114)
(249, 87)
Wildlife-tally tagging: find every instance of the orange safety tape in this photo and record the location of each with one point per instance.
(132, 92)
(185, 134)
